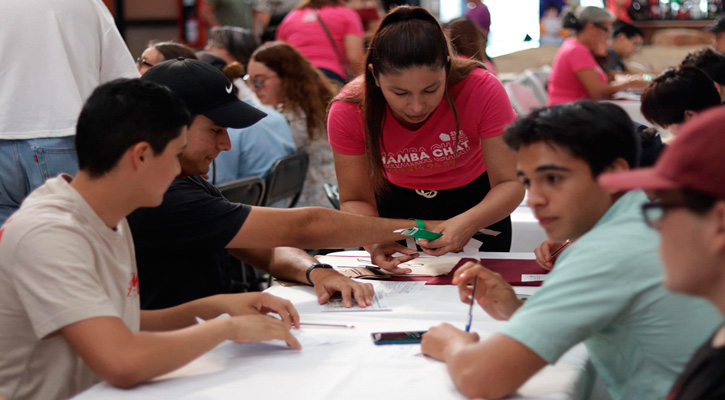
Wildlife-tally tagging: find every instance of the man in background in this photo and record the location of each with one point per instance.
(75, 47)
(713, 63)
(626, 40)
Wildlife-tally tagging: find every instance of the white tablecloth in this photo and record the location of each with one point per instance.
(338, 363)
(526, 231)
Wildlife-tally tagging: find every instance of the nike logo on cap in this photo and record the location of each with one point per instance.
(229, 89)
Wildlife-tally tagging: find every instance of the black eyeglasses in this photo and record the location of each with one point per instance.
(142, 61)
(607, 29)
(654, 211)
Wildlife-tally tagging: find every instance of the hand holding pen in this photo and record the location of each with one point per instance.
(492, 292)
(547, 252)
(470, 305)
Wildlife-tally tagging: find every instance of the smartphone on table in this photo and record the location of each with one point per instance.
(409, 337)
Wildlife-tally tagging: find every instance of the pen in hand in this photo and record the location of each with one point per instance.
(470, 305)
(560, 249)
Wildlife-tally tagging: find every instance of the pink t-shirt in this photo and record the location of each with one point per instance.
(564, 86)
(301, 29)
(424, 158)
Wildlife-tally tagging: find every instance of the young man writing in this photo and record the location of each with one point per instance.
(182, 245)
(689, 181)
(677, 95)
(69, 290)
(606, 289)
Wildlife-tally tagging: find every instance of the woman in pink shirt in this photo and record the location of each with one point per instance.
(329, 34)
(419, 136)
(575, 74)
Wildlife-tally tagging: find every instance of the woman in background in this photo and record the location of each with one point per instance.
(469, 40)
(575, 74)
(283, 78)
(157, 52)
(329, 34)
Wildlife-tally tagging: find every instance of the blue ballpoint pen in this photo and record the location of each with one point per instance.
(470, 306)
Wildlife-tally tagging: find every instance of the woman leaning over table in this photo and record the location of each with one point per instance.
(575, 74)
(418, 136)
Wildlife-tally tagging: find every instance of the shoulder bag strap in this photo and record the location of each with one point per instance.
(332, 41)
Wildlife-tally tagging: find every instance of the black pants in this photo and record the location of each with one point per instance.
(333, 76)
(401, 202)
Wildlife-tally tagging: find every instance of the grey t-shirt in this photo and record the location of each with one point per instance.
(59, 264)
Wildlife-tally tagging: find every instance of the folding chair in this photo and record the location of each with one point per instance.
(248, 190)
(286, 179)
(536, 80)
(522, 97)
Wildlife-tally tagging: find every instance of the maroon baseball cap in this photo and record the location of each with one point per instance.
(693, 161)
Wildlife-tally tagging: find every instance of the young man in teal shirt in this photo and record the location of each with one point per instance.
(606, 289)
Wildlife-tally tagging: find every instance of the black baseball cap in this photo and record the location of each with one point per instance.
(205, 90)
(719, 25)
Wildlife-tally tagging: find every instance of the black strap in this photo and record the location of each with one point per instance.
(342, 61)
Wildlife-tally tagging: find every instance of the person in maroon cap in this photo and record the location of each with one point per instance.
(689, 182)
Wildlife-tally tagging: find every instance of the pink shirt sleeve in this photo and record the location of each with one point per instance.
(354, 25)
(580, 58)
(490, 103)
(345, 128)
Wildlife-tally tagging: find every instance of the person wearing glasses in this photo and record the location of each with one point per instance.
(606, 289)
(157, 52)
(689, 182)
(575, 74)
(283, 78)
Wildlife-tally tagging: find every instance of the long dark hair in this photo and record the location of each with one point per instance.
(406, 37)
(468, 39)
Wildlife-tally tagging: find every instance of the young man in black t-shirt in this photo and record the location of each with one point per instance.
(182, 246)
(689, 181)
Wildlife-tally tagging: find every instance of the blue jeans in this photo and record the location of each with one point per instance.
(26, 164)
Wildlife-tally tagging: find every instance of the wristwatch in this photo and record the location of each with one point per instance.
(313, 266)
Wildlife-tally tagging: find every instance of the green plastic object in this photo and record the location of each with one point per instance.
(419, 233)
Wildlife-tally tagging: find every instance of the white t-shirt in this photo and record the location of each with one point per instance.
(59, 264)
(54, 53)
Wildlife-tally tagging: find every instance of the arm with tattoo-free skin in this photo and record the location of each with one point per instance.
(291, 264)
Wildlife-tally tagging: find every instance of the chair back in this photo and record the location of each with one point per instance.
(536, 79)
(248, 190)
(522, 98)
(286, 179)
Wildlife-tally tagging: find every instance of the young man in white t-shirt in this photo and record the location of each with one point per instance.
(69, 289)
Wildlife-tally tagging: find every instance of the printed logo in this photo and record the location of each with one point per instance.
(437, 155)
(133, 289)
(229, 89)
